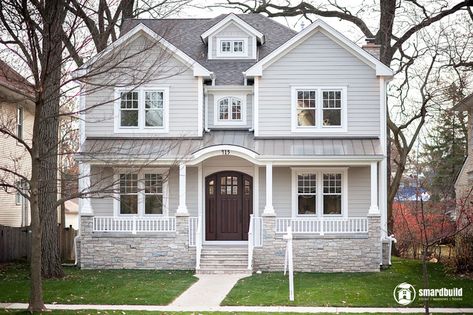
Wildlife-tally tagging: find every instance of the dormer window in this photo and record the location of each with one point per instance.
(232, 47)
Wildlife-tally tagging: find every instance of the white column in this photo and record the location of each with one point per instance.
(182, 208)
(256, 210)
(268, 209)
(85, 206)
(374, 209)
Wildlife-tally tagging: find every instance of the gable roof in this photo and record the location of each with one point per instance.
(199, 70)
(15, 82)
(242, 24)
(381, 69)
(185, 34)
(464, 104)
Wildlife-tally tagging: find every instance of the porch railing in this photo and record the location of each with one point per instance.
(192, 230)
(198, 242)
(323, 226)
(134, 224)
(255, 237)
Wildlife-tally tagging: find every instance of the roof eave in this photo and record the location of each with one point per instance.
(198, 69)
(232, 17)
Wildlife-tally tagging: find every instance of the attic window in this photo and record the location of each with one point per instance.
(232, 47)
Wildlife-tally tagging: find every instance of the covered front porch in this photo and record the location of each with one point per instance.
(238, 194)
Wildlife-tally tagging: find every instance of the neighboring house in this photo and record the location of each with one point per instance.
(260, 128)
(16, 116)
(464, 181)
(71, 213)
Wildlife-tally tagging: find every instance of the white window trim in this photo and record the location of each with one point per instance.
(231, 54)
(319, 192)
(319, 128)
(141, 128)
(141, 192)
(230, 122)
(20, 123)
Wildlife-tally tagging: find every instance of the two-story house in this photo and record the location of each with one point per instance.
(16, 121)
(464, 181)
(241, 128)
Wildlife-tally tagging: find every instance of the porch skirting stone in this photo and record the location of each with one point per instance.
(321, 254)
(126, 251)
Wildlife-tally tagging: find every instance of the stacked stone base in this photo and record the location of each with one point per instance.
(341, 253)
(171, 251)
(166, 251)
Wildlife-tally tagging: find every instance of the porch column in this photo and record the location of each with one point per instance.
(85, 206)
(268, 209)
(182, 208)
(374, 209)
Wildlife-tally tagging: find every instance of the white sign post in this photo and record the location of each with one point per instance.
(288, 262)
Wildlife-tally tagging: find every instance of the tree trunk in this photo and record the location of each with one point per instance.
(36, 303)
(425, 276)
(48, 138)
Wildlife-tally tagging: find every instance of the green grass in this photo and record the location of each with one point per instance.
(92, 312)
(347, 289)
(98, 286)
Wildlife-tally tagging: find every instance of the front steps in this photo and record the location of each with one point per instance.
(220, 259)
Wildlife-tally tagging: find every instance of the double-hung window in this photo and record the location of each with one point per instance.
(142, 108)
(319, 192)
(318, 109)
(141, 193)
(19, 122)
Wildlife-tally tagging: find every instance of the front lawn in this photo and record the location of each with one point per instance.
(347, 289)
(98, 286)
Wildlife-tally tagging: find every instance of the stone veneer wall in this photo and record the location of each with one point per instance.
(140, 251)
(346, 253)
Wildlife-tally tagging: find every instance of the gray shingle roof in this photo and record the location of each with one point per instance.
(151, 149)
(185, 35)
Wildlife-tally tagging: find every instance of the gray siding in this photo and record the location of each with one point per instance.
(319, 61)
(183, 104)
(358, 187)
(358, 191)
(232, 31)
(211, 106)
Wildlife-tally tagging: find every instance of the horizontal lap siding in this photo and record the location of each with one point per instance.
(211, 106)
(319, 61)
(103, 206)
(183, 105)
(358, 191)
(14, 156)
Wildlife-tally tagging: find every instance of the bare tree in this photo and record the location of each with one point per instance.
(33, 32)
(398, 32)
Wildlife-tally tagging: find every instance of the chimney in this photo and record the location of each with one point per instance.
(372, 48)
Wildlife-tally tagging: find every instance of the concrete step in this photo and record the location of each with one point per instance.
(220, 260)
(217, 265)
(223, 271)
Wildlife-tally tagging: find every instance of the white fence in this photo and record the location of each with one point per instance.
(134, 224)
(323, 226)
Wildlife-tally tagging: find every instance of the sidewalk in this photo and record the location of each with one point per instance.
(239, 309)
(208, 291)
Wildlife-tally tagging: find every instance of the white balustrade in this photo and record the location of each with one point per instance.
(323, 226)
(134, 224)
(192, 230)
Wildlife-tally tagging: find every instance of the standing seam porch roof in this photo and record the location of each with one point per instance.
(128, 149)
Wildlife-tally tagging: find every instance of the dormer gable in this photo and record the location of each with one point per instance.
(232, 38)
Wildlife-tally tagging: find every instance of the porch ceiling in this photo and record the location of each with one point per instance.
(128, 149)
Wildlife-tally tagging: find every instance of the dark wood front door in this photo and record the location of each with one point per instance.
(228, 205)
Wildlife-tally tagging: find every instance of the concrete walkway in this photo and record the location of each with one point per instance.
(240, 309)
(208, 291)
